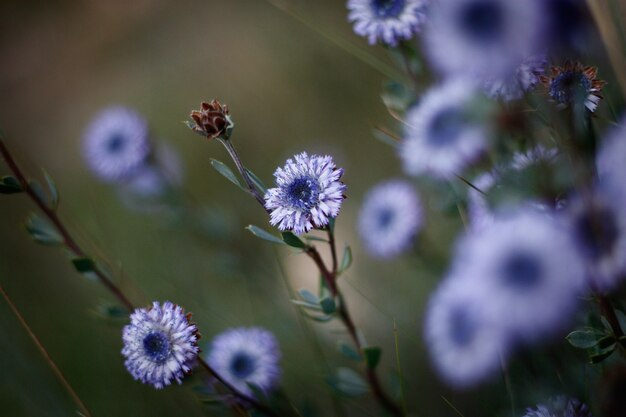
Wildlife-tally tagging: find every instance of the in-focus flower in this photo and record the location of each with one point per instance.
(212, 120)
(560, 407)
(308, 193)
(482, 38)
(116, 143)
(387, 21)
(443, 133)
(574, 84)
(246, 356)
(531, 267)
(598, 224)
(389, 219)
(465, 343)
(522, 80)
(160, 344)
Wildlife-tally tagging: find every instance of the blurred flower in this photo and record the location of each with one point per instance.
(244, 356)
(309, 192)
(465, 343)
(389, 219)
(479, 211)
(574, 84)
(388, 21)
(531, 267)
(610, 159)
(116, 143)
(161, 172)
(523, 79)
(483, 38)
(598, 224)
(442, 133)
(160, 344)
(560, 407)
(212, 120)
(570, 26)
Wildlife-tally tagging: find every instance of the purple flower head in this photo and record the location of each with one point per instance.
(442, 136)
(308, 193)
(116, 143)
(482, 38)
(390, 218)
(465, 342)
(531, 267)
(387, 21)
(560, 407)
(246, 356)
(160, 344)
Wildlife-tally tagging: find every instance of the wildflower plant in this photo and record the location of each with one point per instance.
(505, 204)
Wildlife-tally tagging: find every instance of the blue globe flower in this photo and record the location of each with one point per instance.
(246, 356)
(309, 192)
(116, 143)
(387, 21)
(160, 344)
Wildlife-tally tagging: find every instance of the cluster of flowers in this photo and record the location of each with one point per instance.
(518, 273)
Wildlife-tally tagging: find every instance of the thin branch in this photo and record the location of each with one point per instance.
(46, 355)
(73, 246)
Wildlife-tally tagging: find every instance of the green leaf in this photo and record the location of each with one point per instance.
(223, 169)
(602, 354)
(397, 97)
(36, 187)
(348, 382)
(43, 231)
(256, 181)
(112, 311)
(321, 319)
(304, 304)
(308, 296)
(346, 260)
(260, 233)
(372, 356)
(84, 265)
(293, 240)
(10, 185)
(621, 318)
(585, 338)
(328, 305)
(349, 352)
(54, 192)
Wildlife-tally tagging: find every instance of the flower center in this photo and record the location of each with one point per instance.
(303, 193)
(385, 217)
(242, 365)
(482, 20)
(522, 271)
(598, 232)
(569, 87)
(462, 327)
(116, 143)
(444, 128)
(387, 8)
(157, 346)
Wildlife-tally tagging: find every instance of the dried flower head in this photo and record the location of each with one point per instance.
(574, 84)
(212, 120)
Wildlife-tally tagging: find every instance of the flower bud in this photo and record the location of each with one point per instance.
(212, 120)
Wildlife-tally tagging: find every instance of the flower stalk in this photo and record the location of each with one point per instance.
(71, 244)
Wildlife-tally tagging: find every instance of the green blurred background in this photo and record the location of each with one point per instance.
(290, 88)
